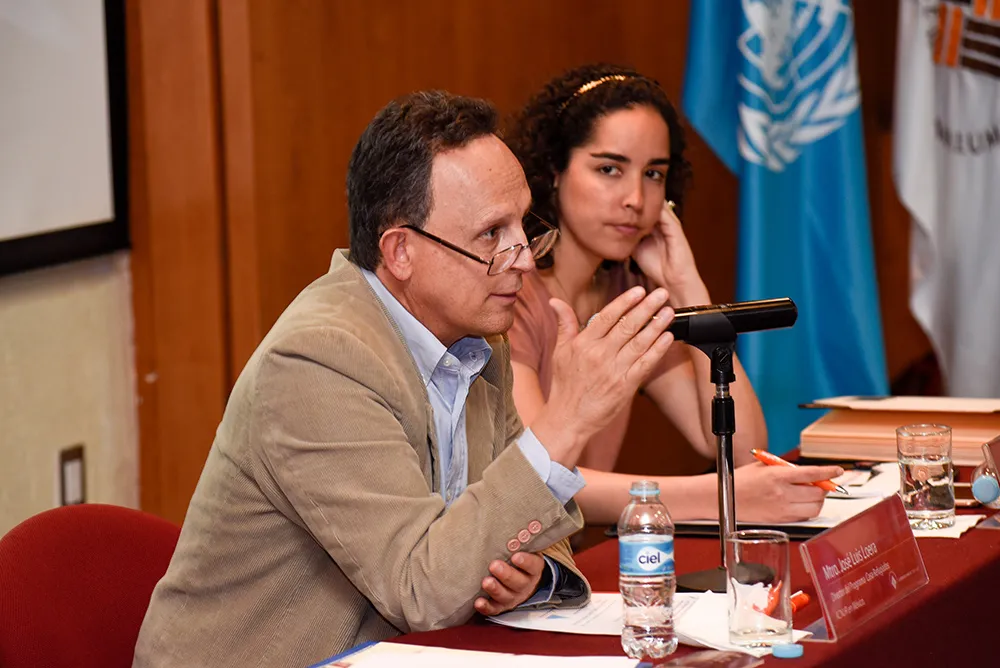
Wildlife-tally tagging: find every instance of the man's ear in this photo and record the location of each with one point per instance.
(395, 248)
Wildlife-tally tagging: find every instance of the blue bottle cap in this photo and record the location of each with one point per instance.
(788, 651)
(985, 489)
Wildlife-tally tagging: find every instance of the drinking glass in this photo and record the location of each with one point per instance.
(926, 475)
(758, 586)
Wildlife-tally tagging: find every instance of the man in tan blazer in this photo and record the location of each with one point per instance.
(370, 476)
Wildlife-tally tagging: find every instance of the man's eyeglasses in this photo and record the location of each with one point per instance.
(503, 260)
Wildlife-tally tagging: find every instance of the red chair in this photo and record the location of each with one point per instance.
(75, 583)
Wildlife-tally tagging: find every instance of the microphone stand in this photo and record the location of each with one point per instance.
(717, 339)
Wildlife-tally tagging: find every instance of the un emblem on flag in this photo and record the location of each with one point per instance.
(799, 79)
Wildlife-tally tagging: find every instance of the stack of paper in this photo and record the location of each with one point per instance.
(865, 427)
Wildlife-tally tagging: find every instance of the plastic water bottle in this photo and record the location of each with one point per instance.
(985, 487)
(646, 574)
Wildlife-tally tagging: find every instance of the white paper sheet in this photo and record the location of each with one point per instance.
(962, 524)
(392, 655)
(852, 478)
(601, 617)
(834, 511)
(883, 481)
(700, 620)
(706, 624)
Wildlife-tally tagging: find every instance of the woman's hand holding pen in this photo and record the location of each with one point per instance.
(776, 494)
(765, 457)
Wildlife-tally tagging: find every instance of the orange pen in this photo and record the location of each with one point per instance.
(799, 600)
(773, 460)
(772, 599)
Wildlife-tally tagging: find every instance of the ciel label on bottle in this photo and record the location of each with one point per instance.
(646, 557)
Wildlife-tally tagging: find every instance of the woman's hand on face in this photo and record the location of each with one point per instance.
(665, 257)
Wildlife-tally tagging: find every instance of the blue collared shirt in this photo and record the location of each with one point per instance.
(448, 374)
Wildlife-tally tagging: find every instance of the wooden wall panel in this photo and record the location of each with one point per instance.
(239, 223)
(242, 188)
(318, 72)
(178, 299)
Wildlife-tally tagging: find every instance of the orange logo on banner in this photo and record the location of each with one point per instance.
(968, 36)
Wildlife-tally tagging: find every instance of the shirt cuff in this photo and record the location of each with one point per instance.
(558, 585)
(545, 590)
(563, 483)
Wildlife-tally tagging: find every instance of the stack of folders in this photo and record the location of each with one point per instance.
(864, 428)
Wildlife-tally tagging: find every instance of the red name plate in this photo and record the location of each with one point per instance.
(863, 565)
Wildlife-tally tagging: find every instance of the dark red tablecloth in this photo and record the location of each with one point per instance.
(950, 622)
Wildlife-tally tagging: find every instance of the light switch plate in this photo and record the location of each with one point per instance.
(72, 476)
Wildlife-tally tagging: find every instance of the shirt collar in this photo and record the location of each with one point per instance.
(426, 349)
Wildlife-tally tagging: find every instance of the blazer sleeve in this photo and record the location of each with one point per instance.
(337, 449)
(562, 553)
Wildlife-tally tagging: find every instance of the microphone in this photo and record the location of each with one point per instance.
(720, 323)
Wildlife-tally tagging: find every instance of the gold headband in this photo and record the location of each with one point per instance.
(591, 85)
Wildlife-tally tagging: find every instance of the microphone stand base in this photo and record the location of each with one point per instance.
(713, 579)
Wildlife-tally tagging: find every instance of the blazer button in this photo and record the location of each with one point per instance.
(535, 527)
(513, 545)
(524, 535)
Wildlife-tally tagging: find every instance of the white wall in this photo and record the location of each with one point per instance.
(67, 376)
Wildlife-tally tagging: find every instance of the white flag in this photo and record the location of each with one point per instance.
(946, 164)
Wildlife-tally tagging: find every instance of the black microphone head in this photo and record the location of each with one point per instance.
(720, 323)
(763, 314)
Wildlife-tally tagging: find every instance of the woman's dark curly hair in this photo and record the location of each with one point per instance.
(561, 117)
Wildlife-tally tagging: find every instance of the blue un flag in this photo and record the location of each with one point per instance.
(772, 87)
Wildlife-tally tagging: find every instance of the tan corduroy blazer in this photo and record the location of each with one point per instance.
(314, 525)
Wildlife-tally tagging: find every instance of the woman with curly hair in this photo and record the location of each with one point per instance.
(603, 152)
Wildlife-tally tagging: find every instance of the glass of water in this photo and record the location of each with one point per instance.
(926, 475)
(758, 587)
